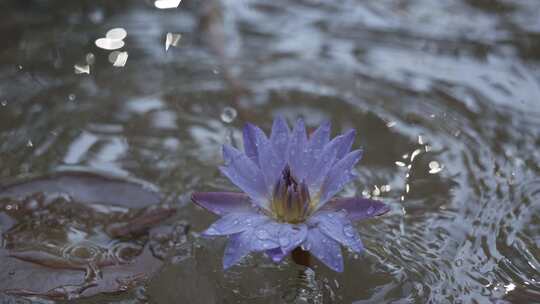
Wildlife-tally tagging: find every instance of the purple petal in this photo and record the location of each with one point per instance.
(234, 223)
(345, 142)
(280, 137)
(270, 163)
(340, 174)
(264, 236)
(297, 145)
(320, 137)
(357, 208)
(236, 249)
(276, 254)
(291, 236)
(338, 226)
(245, 174)
(222, 203)
(250, 143)
(325, 249)
(331, 153)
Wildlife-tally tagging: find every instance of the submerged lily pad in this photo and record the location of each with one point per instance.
(78, 234)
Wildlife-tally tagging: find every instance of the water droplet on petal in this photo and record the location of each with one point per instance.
(348, 230)
(262, 234)
(370, 210)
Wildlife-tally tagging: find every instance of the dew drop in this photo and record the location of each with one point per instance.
(4, 103)
(262, 234)
(370, 210)
(29, 144)
(72, 97)
(228, 114)
(348, 230)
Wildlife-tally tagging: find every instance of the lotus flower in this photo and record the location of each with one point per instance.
(289, 181)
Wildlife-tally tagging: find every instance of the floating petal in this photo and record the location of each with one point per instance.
(222, 203)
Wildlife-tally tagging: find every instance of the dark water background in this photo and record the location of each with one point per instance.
(457, 81)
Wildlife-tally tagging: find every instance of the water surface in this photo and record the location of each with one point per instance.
(450, 87)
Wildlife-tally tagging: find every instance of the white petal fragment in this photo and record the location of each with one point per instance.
(109, 44)
(434, 167)
(116, 34)
(166, 4)
(120, 60)
(172, 40)
(82, 69)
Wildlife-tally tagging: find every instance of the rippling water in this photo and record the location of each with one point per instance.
(450, 87)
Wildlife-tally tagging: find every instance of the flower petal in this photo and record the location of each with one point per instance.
(250, 143)
(331, 153)
(245, 174)
(270, 163)
(320, 137)
(280, 137)
(234, 223)
(236, 249)
(276, 254)
(291, 236)
(324, 248)
(337, 226)
(357, 208)
(222, 203)
(344, 143)
(264, 236)
(297, 146)
(340, 174)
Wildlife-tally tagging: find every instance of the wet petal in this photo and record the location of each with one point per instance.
(250, 142)
(280, 137)
(332, 152)
(270, 163)
(234, 223)
(344, 143)
(291, 236)
(320, 137)
(222, 203)
(297, 146)
(337, 226)
(325, 249)
(357, 208)
(236, 249)
(245, 174)
(276, 254)
(264, 236)
(340, 174)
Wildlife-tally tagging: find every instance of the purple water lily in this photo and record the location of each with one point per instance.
(289, 181)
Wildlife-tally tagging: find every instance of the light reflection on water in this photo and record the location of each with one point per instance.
(461, 75)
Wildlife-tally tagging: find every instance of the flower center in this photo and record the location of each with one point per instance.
(290, 201)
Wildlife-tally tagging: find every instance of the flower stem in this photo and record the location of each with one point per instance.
(301, 257)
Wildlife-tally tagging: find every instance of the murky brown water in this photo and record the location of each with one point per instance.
(451, 84)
